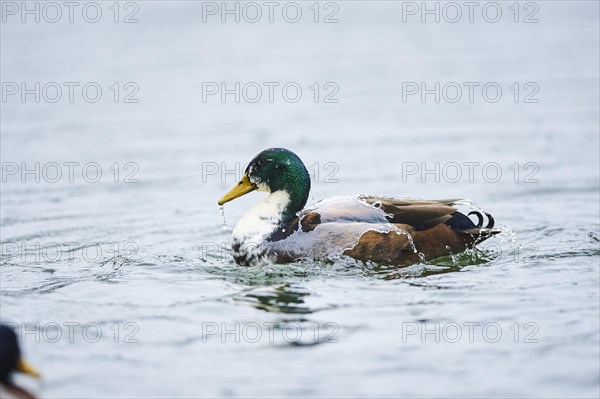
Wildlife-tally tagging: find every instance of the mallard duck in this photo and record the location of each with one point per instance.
(12, 361)
(384, 230)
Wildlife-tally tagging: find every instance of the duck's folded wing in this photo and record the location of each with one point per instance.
(420, 214)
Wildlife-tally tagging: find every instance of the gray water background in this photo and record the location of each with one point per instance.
(159, 269)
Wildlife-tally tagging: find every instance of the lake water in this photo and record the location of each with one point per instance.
(115, 264)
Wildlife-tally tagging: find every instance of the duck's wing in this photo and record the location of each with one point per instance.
(420, 214)
(410, 214)
(425, 214)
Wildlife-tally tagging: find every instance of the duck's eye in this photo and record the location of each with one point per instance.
(261, 161)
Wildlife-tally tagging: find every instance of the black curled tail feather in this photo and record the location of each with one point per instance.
(480, 219)
(461, 222)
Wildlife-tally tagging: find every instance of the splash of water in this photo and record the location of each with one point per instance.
(398, 230)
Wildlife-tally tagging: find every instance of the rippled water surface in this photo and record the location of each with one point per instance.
(142, 257)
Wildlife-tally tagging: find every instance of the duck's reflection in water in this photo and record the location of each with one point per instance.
(284, 298)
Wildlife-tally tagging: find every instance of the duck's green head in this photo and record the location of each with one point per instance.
(272, 170)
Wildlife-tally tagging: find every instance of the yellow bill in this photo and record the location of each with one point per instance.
(242, 188)
(26, 368)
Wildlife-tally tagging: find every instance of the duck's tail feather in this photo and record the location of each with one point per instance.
(463, 223)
